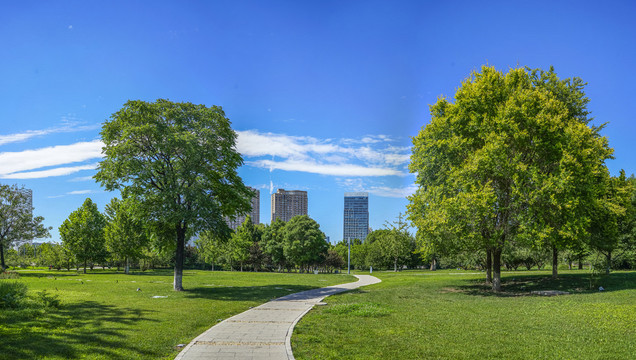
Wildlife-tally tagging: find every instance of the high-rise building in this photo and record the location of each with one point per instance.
(234, 223)
(287, 204)
(356, 215)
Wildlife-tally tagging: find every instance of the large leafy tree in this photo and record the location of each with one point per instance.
(305, 243)
(242, 240)
(513, 158)
(179, 162)
(82, 233)
(273, 242)
(611, 217)
(16, 219)
(126, 237)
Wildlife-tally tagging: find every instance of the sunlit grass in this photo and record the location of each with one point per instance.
(104, 315)
(453, 315)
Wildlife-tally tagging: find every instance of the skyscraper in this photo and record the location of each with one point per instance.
(287, 204)
(254, 214)
(356, 215)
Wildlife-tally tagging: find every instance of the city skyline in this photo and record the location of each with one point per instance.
(324, 97)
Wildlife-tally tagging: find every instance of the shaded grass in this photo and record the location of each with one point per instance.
(444, 315)
(103, 316)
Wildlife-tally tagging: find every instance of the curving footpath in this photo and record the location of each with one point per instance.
(263, 332)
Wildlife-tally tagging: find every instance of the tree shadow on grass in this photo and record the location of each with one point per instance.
(524, 284)
(78, 330)
(245, 293)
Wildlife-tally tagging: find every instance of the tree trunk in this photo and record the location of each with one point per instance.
(127, 266)
(213, 266)
(609, 262)
(85, 262)
(178, 263)
(489, 266)
(496, 269)
(580, 263)
(433, 264)
(2, 257)
(395, 265)
(555, 262)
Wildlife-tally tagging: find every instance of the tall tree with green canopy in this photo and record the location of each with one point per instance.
(16, 219)
(512, 159)
(83, 233)
(273, 242)
(305, 243)
(179, 162)
(242, 239)
(126, 237)
(611, 216)
(211, 247)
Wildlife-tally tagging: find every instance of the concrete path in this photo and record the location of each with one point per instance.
(263, 332)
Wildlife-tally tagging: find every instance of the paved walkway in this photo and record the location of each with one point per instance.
(263, 332)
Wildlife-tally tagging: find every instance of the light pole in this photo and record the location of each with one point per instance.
(349, 256)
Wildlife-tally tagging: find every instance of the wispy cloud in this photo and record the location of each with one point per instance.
(369, 156)
(324, 169)
(60, 171)
(74, 192)
(66, 127)
(24, 164)
(359, 184)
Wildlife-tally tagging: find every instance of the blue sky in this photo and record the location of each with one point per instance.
(325, 95)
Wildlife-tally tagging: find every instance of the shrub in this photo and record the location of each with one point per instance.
(9, 275)
(12, 294)
(47, 300)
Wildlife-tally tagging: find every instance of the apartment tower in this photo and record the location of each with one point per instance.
(254, 214)
(356, 215)
(287, 204)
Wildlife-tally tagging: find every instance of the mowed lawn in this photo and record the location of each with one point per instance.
(453, 315)
(103, 316)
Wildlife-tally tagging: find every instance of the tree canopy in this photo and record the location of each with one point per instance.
(512, 159)
(179, 162)
(83, 233)
(16, 219)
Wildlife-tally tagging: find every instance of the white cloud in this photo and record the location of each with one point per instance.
(80, 192)
(324, 169)
(387, 191)
(369, 156)
(68, 126)
(82, 178)
(74, 192)
(13, 164)
(60, 171)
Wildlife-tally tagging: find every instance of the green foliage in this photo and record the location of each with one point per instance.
(52, 254)
(178, 162)
(242, 240)
(512, 159)
(82, 233)
(17, 222)
(273, 242)
(9, 275)
(12, 294)
(48, 300)
(125, 234)
(305, 244)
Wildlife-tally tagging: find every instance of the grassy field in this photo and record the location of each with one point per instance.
(103, 316)
(453, 315)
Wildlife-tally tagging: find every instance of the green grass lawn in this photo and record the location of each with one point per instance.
(103, 316)
(453, 315)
